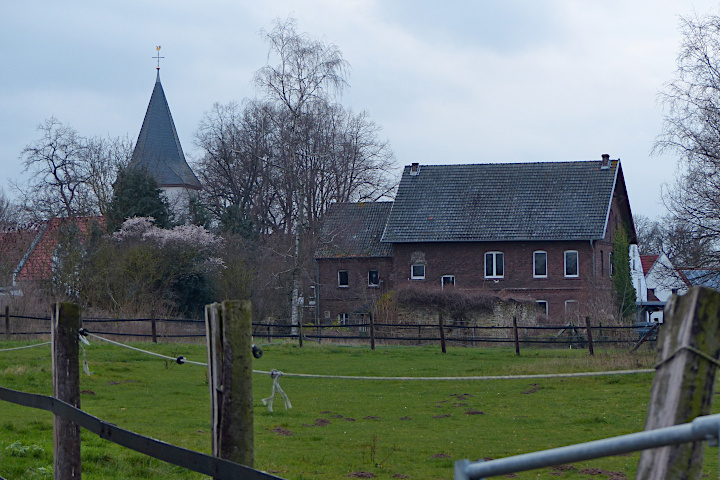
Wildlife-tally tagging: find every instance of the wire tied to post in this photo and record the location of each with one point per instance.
(691, 349)
(82, 333)
(275, 375)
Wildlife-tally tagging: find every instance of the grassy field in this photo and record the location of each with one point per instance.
(341, 428)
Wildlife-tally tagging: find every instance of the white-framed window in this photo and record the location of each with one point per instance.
(572, 310)
(343, 278)
(447, 281)
(417, 271)
(542, 306)
(343, 318)
(571, 263)
(540, 264)
(373, 278)
(494, 265)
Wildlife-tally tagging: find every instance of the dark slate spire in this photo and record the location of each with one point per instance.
(158, 149)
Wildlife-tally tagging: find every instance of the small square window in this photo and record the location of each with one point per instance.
(542, 306)
(447, 281)
(417, 271)
(494, 265)
(373, 278)
(571, 263)
(540, 264)
(343, 278)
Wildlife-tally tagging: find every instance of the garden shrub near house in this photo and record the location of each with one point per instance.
(143, 267)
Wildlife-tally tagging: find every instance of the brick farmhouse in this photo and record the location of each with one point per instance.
(539, 231)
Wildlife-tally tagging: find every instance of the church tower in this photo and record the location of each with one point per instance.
(159, 152)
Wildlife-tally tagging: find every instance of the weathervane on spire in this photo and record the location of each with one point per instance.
(158, 56)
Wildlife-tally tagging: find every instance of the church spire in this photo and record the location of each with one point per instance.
(158, 148)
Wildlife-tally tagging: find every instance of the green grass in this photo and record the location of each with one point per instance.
(337, 427)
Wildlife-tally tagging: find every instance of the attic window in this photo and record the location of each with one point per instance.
(415, 169)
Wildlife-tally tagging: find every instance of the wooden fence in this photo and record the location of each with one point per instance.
(358, 330)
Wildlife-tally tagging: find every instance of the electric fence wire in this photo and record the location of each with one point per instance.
(27, 346)
(359, 377)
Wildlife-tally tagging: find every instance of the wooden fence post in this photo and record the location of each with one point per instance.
(442, 331)
(65, 327)
(515, 334)
(153, 326)
(7, 322)
(589, 336)
(372, 331)
(688, 349)
(229, 345)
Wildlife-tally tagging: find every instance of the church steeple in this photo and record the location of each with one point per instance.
(158, 148)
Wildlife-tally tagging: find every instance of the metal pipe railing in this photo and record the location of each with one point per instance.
(700, 429)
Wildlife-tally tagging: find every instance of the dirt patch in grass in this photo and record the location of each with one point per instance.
(336, 416)
(282, 431)
(564, 468)
(441, 455)
(442, 416)
(320, 422)
(599, 471)
(361, 474)
(472, 411)
(406, 418)
(533, 388)
(371, 417)
(87, 392)
(113, 382)
(349, 419)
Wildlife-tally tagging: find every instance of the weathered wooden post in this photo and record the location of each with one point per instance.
(65, 327)
(515, 335)
(688, 350)
(589, 336)
(229, 346)
(442, 331)
(7, 322)
(372, 331)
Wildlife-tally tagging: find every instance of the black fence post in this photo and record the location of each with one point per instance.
(153, 326)
(372, 332)
(589, 336)
(515, 335)
(7, 322)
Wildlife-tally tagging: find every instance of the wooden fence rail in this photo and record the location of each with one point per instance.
(182, 457)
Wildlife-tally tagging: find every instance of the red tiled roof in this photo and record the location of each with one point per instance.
(647, 262)
(38, 264)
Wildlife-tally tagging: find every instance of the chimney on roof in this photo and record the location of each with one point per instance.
(415, 169)
(605, 162)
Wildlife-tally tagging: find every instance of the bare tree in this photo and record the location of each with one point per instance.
(70, 175)
(9, 213)
(691, 128)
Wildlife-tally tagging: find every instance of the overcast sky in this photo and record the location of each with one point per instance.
(448, 82)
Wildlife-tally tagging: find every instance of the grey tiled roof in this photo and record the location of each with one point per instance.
(158, 148)
(499, 202)
(354, 230)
